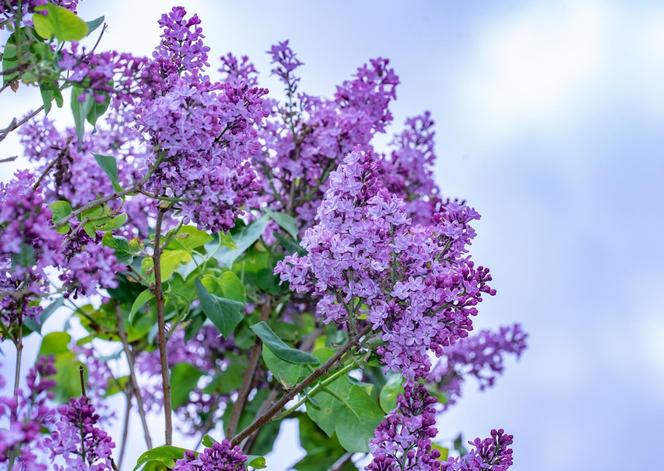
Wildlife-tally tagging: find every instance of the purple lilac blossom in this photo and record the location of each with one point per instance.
(26, 414)
(221, 456)
(492, 453)
(481, 356)
(419, 286)
(309, 136)
(77, 440)
(28, 246)
(204, 131)
(403, 438)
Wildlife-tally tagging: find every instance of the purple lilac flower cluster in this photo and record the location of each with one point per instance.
(481, 356)
(403, 438)
(221, 456)
(417, 283)
(28, 246)
(77, 439)
(311, 135)
(203, 132)
(492, 453)
(407, 171)
(26, 414)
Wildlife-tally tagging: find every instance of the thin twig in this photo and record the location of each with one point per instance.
(8, 159)
(313, 376)
(135, 389)
(339, 464)
(248, 379)
(161, 338)
(125, 430)
(15, 124)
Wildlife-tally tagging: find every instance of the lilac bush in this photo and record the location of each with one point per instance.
(235, 257)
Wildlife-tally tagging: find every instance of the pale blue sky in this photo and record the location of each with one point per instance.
(551, 123)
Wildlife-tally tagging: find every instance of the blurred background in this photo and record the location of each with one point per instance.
(550, 121)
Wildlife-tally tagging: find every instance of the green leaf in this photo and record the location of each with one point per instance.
(10, 59)
(36, 325)
(279, 348)
(345, 409)
(444, 452)
(184, 378)
(208, 441)
(289, 374)
(165, 454)
(390, 392)
(116, 385)
(125, 250)
(256, 462)
(59, 209)
(243, 240)
(289, 244)
(224, 313)
(232, 287)
(112, 224)
(94, 24)
(80, 108)
(170, 260)
(67, 376)
(55, 343)
(188, 238)
(139, 302)
(285, 221)
(58, 22)
(109, 165)
(98, 109)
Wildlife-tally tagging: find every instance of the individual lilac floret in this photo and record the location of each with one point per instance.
(77, 441)
(481, 356)
(415, 284)
(219, 457)
(403, 438)
(24, 416)
(492, 453)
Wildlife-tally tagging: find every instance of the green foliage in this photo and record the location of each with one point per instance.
(224, 313)
(285, 221)
(287, 373)
(125, 250)
(187, 238)
(59, 23)
(67, 377)
(35, 325)
(184, 378)
(110, 166)
(243, 239)
(169, 261)
(345, 409)
(390, 392)
(139, 302)
(322, 451)
(166, 455)
(281, 349)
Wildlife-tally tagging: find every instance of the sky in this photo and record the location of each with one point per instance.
(550, 122)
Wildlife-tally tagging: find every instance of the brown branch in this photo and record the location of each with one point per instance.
(247, 380)
(161, 338)
(135, 390)
(8, 159)
(15, 124)
(125, 430)
(316, 374)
